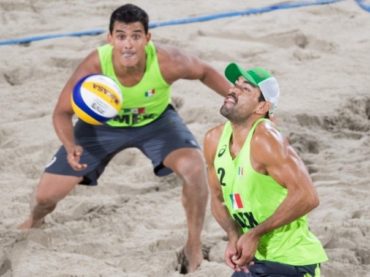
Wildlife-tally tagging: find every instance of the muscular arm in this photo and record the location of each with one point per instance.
(177, 65)
(62, 115)
(218, 208)
(272, 155)
(282, 163)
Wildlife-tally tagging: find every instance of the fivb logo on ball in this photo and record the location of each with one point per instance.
(96, 99)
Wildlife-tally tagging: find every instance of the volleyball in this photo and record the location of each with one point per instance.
(96, 99)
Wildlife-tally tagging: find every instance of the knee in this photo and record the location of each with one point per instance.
(45, 200)
(53, 188)
(188, 164)
(191, 170)
(193, 174)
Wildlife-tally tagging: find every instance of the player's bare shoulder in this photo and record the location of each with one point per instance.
(267, 132)
(168, 59)
(215, 132)
(91, 63)
(267, 142)
(211, 140)
(169, 54)
(177, 64)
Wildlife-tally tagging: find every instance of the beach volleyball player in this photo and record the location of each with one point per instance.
(261, 191)
(144, 71)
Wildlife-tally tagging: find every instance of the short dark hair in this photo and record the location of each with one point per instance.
(129, 13)
(261, 98)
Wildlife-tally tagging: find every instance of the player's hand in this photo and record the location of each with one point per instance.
(247, 247)
(73, 157)
(230, 253)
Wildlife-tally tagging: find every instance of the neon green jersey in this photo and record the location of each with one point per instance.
(251, 198)
(145, 101)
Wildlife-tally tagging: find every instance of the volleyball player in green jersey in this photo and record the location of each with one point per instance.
(260, 188)
(147, 121)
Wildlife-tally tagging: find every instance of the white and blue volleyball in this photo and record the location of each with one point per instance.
(96, 99)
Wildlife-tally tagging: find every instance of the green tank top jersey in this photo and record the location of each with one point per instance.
(143, 102)
(252, 197)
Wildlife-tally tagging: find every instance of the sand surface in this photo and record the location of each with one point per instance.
(133, 223)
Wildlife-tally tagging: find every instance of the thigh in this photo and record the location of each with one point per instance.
(187, 163)
(162, 137)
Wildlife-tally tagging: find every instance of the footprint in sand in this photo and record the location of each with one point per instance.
(305, 143)
(350, 121)
(62, 62)
(298, 39)
(5, 266)
(18, 76)
(87, 211)
(6, 140)
(354, 116)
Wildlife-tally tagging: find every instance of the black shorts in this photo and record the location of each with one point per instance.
(101, 143)
(273, 269)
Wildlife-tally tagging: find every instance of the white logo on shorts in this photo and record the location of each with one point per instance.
(192, 142)
(51, 162)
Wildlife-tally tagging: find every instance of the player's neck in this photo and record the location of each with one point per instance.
(124, 70)
(241, 131)
(131, 75)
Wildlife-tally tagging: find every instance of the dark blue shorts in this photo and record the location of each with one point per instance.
(273, 269)
(101, 143)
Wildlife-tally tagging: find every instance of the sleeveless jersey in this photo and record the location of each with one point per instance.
(143, 102)
(252, 197)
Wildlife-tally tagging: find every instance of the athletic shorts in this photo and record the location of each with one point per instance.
(101, 143)
(273, 269)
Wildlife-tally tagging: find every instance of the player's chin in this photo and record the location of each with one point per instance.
(129, 62)
(226, 110)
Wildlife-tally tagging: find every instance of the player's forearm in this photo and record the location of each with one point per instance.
(295, 205)
(216, 81)
(64, 128)
(223, 218)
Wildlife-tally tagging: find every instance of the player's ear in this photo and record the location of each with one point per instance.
(263, 107)
(148, 36)
(109, 38)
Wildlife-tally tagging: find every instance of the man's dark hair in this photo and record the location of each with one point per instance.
(129, 13)
(261, 98)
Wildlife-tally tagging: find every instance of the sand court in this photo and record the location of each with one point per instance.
(132, 223)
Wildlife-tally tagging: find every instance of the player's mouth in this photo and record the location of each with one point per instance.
(128, 55)
(231, 98)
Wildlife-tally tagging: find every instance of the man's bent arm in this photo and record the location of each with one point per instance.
(218, 208)
(62, 115)
(284, 165)
(273, 156)
(176, 64)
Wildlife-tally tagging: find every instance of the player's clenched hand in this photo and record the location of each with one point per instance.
(246, 246)
(230, 252)
(73, 157)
